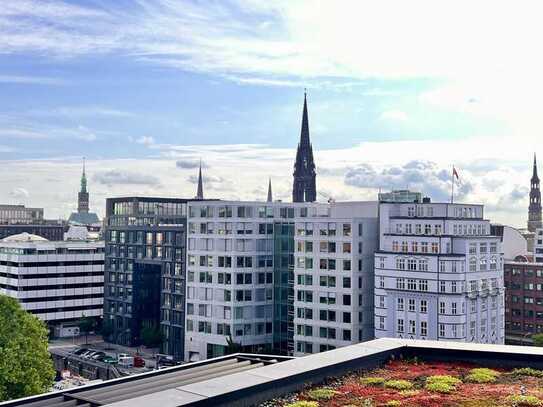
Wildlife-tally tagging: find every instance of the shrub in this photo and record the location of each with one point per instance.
(482, 375)
(393, 403)
(321, 394)
(442, 384)
(372, 381)
(409, 393)
(527, 371)
(399, 384)
(524, 401)
(303, 403)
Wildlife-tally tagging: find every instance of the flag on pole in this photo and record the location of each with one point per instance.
(455, 173)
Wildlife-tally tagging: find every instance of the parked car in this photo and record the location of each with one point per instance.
(109, 359)
(80, 351)
(139, 361)
(98, 355)
(90, 354)
(126, 361)
(87, 353)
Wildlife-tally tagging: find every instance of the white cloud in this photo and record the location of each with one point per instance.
(115, 177)
(145, 140)
(19, 193)
(31, 80)
(394, 115)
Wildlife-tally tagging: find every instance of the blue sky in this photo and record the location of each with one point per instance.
(143, 89)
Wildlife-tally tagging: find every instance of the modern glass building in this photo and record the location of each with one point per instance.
(145, 270)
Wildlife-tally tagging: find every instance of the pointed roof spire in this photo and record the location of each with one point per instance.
(534, 174)
(304, 137)
(270, 198)
(83, 178)
(200, 191)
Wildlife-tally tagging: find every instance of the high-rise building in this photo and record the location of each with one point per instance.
(534, 210)
(60, 282)
(236, 276)
(304, 188)
(145, 270)
(438, 274)
(334, 248)
(258, 277)
(83, 216)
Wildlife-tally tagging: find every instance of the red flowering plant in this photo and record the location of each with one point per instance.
(415, 383)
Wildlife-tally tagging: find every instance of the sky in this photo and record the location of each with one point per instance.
(398, 93)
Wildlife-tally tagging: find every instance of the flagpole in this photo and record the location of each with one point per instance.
(452, 186)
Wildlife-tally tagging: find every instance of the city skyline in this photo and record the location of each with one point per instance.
(141, 113)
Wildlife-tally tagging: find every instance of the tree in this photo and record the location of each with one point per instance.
(106, 328)
(26, 367)
(86, 325)
(151, 337)
(231, 346)
(538, 339)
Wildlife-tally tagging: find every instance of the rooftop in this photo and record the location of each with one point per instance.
(24, 237)
(224, 382)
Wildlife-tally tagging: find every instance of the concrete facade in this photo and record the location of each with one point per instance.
(438, 274)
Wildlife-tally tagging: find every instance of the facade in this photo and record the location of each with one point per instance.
(538, 245)
(145, 270)
(438, 274)
(402, 195)
(304, 187)
(49, 232)
(256, 276)
(333, 275)
(59, 282)
(523, 300)
(18, 214)
(534, 210)
(83, 216)
(233, 274)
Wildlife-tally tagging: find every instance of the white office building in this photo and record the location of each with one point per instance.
(438, 274)
(236, 276)
(334, 249)
(57, 281)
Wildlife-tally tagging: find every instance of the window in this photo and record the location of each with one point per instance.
(411, 305)
(442, 287)
(400, 326)
(442, 330)
(472, 264)
(400, 283)
(442, 307)
(423, 328)
(411, 284)
(412, 327)
(399, 304)
(381, 323)
(381, 282)
(423, 285)
(423, 306)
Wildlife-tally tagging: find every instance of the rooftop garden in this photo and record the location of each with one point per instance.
(415, 383)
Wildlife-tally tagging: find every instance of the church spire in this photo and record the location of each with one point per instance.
(534, 172)
(534, 210)
(304, 186)
(200, 191)
(83, 178)
(83, 195)
(270, 198)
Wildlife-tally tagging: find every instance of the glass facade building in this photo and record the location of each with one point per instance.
(145, 270)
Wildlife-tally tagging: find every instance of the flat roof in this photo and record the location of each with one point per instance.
(243, 379)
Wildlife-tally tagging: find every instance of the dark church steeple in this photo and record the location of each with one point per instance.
(304, 188)
(534, 210)
(200, 190)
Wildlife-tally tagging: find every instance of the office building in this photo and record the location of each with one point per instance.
(258, 277)
(438, 274)
(240, 266)
(59, 282)
(19, 214)
(334, 248)
(145, 270)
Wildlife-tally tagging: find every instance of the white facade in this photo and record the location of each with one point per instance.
(538, 246)
(438, 274)
(333, 302)
(57, 281)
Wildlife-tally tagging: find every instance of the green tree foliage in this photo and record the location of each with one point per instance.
(26, 367)
(231, 346)
(538, 339)
(151, 337)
